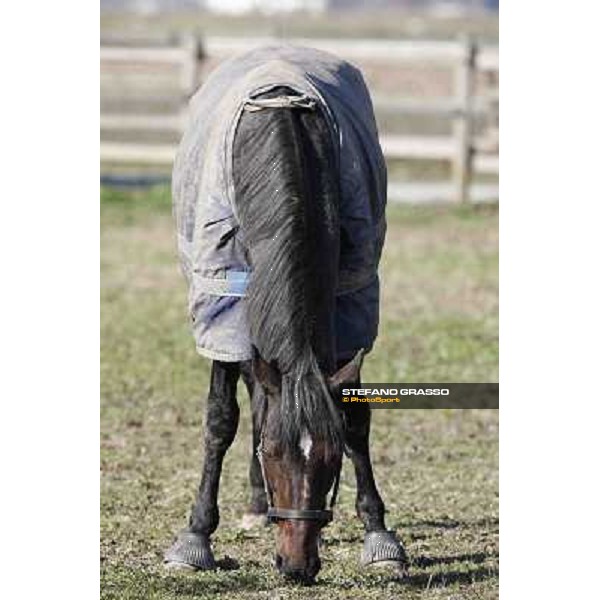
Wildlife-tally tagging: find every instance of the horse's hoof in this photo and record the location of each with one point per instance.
(179, 566)
(190, 551)
(394, 567)
(253, 521)
(383, 549)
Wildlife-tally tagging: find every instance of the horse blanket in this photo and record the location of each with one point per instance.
(210, 242)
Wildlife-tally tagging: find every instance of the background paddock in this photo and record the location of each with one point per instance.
(435, 94)
(437, 469)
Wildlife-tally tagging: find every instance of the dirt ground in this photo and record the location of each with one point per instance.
(437, 470)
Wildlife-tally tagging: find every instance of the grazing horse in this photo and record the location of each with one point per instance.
(279, 195)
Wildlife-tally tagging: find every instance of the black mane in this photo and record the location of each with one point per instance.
(287, 201)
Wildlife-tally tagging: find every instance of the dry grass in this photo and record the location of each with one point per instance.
(437, 469)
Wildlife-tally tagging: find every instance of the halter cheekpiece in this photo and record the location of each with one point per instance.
(275, 513)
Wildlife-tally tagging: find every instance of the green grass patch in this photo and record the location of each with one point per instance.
(437, 469)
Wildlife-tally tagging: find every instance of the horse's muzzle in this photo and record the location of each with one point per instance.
(304, 574)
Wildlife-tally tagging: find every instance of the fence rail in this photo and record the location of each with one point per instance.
(394, 147)
(142, 55)
(389, 51)
(467, 154)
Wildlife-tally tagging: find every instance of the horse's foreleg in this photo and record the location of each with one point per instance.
(257, 510)
(192, 547)
(381, 546)
(369, 505)
(222, 416)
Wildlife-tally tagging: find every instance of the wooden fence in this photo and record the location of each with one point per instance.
(466, 153)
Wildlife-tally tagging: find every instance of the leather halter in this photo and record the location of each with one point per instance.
(275, 513)
(299, 514)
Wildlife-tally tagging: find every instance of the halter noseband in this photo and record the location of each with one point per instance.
(299, 514)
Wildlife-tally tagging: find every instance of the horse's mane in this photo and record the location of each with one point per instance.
(286, 196)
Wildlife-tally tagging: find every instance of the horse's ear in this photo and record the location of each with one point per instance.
(266, 374)
(349, 373)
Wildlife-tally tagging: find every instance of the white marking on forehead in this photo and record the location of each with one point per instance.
(306, 444)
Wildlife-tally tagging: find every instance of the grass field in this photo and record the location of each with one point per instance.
(437, 470)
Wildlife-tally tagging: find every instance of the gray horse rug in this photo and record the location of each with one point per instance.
(210, 242)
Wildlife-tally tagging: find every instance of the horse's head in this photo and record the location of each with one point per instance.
(298, 475)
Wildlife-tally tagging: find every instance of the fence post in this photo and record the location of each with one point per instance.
(189, 68)
(190, 73)
(462, 167)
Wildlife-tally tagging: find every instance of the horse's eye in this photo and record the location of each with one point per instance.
(271, 449)
(267, 447)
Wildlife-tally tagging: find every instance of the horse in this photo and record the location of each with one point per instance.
(279, 196)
